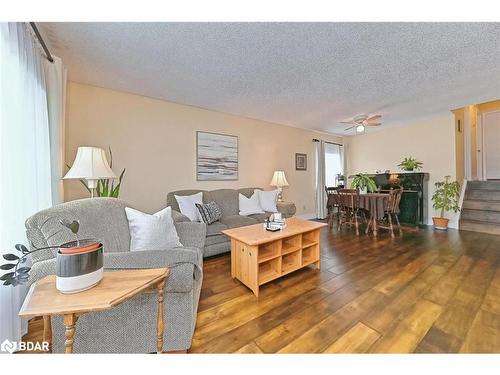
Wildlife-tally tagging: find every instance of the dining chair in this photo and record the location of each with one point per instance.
(332, 204)
(348, 208)
(391, 210)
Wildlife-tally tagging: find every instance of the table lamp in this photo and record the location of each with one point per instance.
(90, 165)
(279, 180)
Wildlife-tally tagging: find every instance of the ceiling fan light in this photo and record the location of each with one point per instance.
(360, 129)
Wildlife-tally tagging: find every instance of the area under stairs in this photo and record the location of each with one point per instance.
(481, 207)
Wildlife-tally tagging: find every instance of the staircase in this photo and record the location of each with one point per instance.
(481, 207)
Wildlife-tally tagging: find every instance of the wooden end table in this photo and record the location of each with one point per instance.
(259, 256)
(43, 299)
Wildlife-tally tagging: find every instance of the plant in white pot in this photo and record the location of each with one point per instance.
(445, 198)
(364, 183)
(79, 263)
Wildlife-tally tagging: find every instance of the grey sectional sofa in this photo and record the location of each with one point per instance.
(227, 199)
(131, 326)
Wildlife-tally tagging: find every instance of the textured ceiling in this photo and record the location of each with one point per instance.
(309, 75)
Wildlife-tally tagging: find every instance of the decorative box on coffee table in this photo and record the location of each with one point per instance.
(259, 256)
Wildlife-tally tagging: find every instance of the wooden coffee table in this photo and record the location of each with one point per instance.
(44, 299)
(259, 256)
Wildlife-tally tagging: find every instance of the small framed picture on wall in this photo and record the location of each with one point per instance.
(301, 162)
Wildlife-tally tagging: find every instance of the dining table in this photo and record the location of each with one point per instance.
(374, 203)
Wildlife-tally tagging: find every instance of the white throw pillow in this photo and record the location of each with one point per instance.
(249, 206)
(187, 205)
(152, 232)
(268, 200)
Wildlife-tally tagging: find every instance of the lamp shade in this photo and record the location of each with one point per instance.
(90, 164)
(279, 179)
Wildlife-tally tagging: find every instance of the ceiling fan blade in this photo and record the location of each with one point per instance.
(347, 122)
(349, 128)
(374, 117)
(374, 124)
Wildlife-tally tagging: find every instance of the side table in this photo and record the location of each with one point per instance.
(43, 299)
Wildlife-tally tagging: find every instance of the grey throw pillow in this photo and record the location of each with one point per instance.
(209, 212)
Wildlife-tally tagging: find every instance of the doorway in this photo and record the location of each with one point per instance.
(490, 135)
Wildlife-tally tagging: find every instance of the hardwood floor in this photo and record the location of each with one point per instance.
(427, 292)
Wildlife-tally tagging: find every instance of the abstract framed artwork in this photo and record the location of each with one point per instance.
(301, 162)
(216, 157)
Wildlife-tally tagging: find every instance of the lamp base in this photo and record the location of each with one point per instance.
(280, 194)
(92, 185)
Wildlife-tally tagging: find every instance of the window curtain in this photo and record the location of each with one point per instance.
(26, 165)
(320, 196)
(55, 81)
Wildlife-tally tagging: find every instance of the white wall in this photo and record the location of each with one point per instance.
(156, 141)
(430, 140)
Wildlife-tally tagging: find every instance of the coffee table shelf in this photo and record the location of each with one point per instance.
(259, 256)
(289, 249)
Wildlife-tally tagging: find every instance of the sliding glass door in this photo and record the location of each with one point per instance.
(334, 163)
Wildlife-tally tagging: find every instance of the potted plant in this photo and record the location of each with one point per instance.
(364, 183)
(79, 263)
(410, 164)
(445, 198)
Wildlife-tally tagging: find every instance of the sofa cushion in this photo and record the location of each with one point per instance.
(172, 202)
(226, 199)
(187, 204)
(102, 218)
(249, 206)
(268, 200)
(215, 239)
(215, 228)
(235, 221)
(261, 217)
(209, 212)
(248, 192)
(155, 231)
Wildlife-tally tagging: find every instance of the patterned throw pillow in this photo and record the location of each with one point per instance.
(209, 212)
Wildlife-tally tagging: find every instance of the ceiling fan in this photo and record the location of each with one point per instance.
(360, 122)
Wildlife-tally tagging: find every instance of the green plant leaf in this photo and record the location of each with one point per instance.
(10, 257)
(7, 266)
(446, 196)
(23, 270)
(110, 157)
(362, 181)
(20, 247)
(6, 276)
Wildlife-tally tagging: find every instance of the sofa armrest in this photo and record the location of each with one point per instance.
(192, 234)
(185, 264)
(177, 217)
(41, 269)
(153, 258)
(287, 209)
